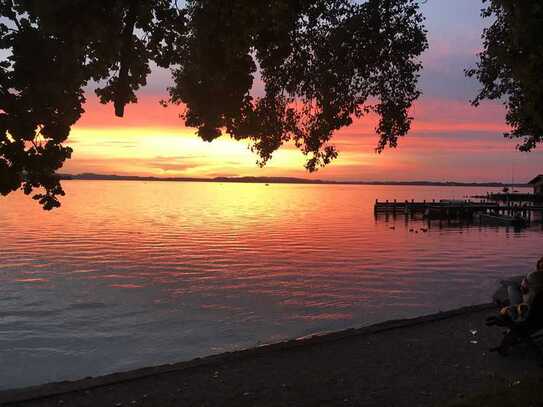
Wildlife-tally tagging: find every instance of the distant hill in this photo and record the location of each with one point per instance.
(109, 177)
(281, 180)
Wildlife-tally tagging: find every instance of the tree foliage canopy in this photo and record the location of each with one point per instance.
(322, 62)
(511, 66)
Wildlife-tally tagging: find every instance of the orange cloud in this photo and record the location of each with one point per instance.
(152, 140)
(146, 113)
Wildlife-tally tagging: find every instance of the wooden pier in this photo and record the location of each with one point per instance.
(511, 197)
(456, 209)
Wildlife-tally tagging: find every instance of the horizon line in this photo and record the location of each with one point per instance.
(280, 179)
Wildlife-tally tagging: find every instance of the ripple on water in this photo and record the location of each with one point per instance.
(130, 274)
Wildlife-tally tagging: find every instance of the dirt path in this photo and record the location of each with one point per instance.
(417, 362)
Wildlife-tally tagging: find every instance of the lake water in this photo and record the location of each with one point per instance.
(130, 274)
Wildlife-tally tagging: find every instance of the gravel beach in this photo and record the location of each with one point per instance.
(418, 362)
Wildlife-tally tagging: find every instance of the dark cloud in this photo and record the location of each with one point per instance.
(174, 164)
(112, 143)
(177, 158)
(223, 174)
(171, 167)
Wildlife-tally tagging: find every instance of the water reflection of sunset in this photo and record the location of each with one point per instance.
(206, 266)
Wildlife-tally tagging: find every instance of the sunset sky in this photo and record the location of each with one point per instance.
(450, 140)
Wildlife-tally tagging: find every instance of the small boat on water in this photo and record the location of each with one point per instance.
(502, 220)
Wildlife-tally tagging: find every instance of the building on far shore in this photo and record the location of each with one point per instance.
(537, 183)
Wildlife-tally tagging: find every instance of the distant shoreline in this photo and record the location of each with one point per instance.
(283, 180)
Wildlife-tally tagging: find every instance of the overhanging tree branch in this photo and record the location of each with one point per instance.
(122, 91)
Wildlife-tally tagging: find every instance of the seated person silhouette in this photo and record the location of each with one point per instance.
(521, 298)
(524, 313)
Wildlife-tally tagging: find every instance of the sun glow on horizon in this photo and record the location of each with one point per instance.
(169, 152)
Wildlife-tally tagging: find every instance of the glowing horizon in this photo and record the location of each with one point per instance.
(449, 140)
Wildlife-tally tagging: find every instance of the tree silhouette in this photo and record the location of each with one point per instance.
(323, 62)
(511, 65)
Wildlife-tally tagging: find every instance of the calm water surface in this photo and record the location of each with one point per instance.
(129, 274)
